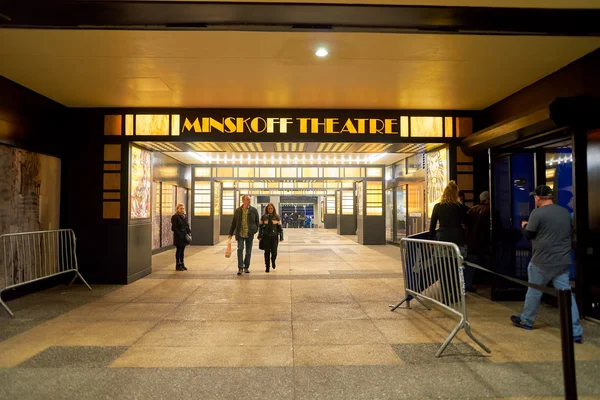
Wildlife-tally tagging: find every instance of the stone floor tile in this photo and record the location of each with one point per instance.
(327, 311)
(213, 333)
(232, 312)
(314, 333)
(74, 357)
(205, 356)
(106, 333)
(373, 354)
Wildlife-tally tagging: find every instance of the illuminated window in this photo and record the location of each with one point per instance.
(259, 185)
(359, 198)
(129, 125)
(330, 204)
(347, 202)
(332, 172)
(374, 173)
(228, 202)
(338, 202)
(426, 127)
(112, 124)
(267, 172)
(155, 125)
(318, 185)
(352, 172)
(202, 196)
(404, 126)
(217, 199)
(228, 184)
(448, 126)
(246, 172)
(225, 172)
(289, 172)
(348, 184)
(374, 198)
(310, 172)
(202, 172)
(175, 125)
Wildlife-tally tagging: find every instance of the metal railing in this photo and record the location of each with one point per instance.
(433, 271)
(32, 256)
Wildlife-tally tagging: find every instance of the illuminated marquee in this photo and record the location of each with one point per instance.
(357, 126)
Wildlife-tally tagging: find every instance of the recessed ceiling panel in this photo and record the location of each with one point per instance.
(224, 69)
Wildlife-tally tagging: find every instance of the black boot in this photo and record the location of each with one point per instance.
(273, 262)
(179, 267)
(266, 262)
(183, 266)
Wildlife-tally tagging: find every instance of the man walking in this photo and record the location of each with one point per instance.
(550, 229)
(478, 237)
(245, 226)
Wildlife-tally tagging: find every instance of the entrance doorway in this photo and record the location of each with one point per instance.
(515, 173)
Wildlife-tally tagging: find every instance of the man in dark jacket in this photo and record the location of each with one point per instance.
(478, 237)
(244, 225)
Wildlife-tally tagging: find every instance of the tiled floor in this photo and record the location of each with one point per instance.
(319, 326)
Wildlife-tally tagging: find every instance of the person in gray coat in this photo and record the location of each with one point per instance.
(244, 225)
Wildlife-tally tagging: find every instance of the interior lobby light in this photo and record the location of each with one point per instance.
(321, 52)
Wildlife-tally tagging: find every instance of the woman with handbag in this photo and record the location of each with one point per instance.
(270, 233)
(181, 235)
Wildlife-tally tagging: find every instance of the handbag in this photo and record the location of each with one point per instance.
(261, 244)
(228, 249)
(188, 238)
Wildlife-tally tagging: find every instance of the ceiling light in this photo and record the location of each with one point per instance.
(321, 52)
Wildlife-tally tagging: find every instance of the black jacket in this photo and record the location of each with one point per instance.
(275, 230)
(452, 217)
(180, 226)
(236, 224)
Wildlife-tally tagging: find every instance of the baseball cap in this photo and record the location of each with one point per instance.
(542, 190)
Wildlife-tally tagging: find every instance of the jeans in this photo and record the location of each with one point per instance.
(560, 279)
(244, 262)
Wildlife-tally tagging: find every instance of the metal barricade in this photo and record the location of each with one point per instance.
(433, 271)
(32, 256)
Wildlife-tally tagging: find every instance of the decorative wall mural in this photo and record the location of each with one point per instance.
(156, 215)
(29, 200)
(436, 170)
(168, 209)
(141, 175)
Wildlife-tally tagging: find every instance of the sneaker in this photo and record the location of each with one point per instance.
(578, 339)
(516, 321)
(239, 271)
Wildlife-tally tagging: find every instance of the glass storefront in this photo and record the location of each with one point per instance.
(417, 178)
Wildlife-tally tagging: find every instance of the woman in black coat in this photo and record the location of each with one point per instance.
(452, 216)
(180, 228)
(270, 233)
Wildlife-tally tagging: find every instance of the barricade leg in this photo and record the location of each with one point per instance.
(450, 337)
(470, 334)
(77, 274)
(407, 299)
(5, 306)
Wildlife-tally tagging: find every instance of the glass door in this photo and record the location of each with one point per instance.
(400, 212)
(389, 215)
(415, 221)
(513, 178)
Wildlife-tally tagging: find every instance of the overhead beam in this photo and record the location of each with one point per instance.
(176, 15)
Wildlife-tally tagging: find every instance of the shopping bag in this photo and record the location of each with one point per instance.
(228, 249)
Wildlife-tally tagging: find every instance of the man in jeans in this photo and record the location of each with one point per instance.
(245, 226)
(550, 229)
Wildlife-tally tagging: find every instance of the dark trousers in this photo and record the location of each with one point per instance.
(179, 253)
(270, 243)
(482, 260)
